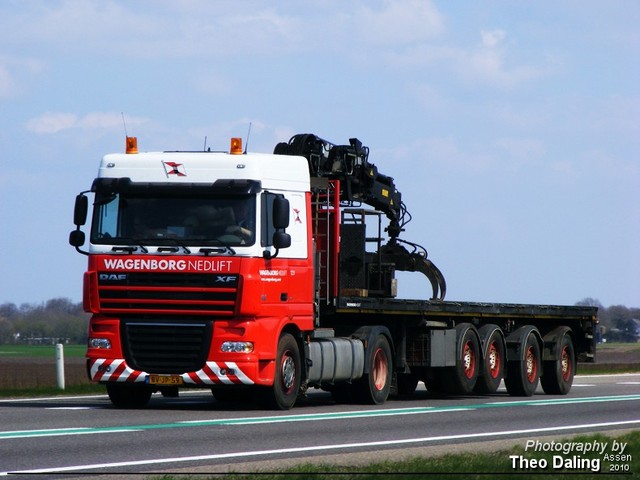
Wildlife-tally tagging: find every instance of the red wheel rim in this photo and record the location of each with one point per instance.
(380, 369)
(531, 365)
(469, 360)
(565, 361)
(494, 361)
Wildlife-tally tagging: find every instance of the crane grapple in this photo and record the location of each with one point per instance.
(361, 183)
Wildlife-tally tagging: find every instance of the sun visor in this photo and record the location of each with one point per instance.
(219, 187)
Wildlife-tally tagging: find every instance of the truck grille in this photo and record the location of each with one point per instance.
(167, 293)
(166, 347)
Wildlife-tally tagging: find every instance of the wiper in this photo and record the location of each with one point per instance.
(130, 249)
(223, 248)
(176, 248)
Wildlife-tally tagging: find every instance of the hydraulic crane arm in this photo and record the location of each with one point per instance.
(361, 181)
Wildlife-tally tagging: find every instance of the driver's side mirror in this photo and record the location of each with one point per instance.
(80, 210)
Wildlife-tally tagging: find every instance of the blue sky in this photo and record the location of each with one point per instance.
(512, 129)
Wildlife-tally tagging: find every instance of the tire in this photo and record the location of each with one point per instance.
(523, 375)
(557, 375)
(286, 384)
(128, 396)
(461, 379)
(493, 362)
(374, 387)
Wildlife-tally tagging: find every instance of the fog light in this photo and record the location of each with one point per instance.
(237, 347)
(99, 343)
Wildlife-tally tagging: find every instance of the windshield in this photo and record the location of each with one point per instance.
(124, 218)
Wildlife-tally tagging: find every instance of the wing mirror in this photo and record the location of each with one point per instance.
(80, 210)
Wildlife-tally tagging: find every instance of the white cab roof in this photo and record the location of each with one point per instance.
(276, 172)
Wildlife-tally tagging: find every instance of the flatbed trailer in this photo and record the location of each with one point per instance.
(427, 334)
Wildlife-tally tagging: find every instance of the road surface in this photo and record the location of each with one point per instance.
(194, 433)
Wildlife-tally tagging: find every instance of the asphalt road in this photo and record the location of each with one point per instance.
(193, 433)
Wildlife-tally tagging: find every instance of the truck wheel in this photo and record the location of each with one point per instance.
(127, 396)
(462, 378)
(557, 375)
(373, 388)
(523, 375)
(286, 384)
(492, 365)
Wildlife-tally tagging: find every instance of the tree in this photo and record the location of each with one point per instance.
(6, 331)
(58, 319)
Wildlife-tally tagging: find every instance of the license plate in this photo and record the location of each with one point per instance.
(164, 380)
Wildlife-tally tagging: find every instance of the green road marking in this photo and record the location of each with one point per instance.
(4, 435)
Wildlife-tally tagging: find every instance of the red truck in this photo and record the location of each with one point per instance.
(270, 274)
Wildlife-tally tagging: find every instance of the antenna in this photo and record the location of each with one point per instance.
(246, 145)
(126, 134)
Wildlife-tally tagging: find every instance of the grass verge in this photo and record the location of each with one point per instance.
(41, 351)
(85, 389)
(470, 466)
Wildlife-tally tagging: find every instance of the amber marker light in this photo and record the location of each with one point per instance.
(236, 146)
(131, 145)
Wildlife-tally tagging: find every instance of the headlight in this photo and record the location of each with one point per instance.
(99, 343)
(237, 347)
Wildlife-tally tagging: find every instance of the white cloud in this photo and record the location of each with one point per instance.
(51, 122)
(54, 122)
(154, 29)
(12, 72)
(491, 38)
(398, 22)
(489, 63)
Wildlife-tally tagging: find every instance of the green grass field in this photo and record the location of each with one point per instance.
(41, 351)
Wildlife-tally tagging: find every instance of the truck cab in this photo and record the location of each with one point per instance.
(196, 262)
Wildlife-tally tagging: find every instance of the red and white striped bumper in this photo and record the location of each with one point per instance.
(213, 373)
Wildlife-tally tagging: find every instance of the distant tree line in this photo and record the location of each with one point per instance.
(60, 320)
(55, 321)
(617, 322)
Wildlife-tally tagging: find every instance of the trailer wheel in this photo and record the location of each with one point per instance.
(493, 364)
(284, 392)
(557, 375)
(373, 388)
(523, 375)
(462, 378)
(128, 396)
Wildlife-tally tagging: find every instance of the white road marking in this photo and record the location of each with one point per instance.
(344, 446)
(70, 408)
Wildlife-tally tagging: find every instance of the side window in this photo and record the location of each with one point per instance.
(106, 218)
(266, 215)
